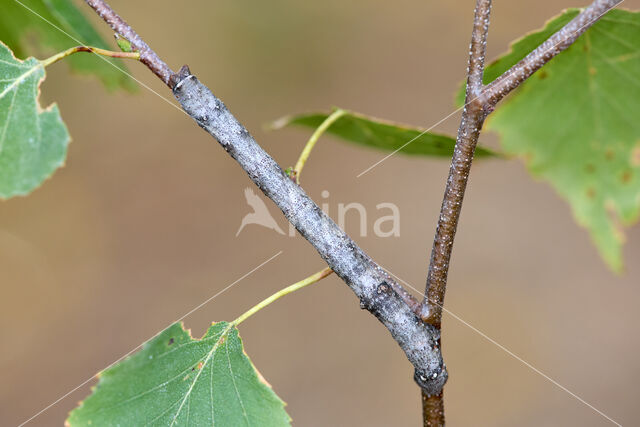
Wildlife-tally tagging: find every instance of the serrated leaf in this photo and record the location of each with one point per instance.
(178, 380)
(575, 122)
(18, 25)
(381, 134)
(33, 142)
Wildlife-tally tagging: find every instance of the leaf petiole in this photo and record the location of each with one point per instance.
(57, 57)
(289, 289)
(306, 152)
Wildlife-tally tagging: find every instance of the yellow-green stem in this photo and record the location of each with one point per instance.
(57, 57)
(306, 152)
(299, 285)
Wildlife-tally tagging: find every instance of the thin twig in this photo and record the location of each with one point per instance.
(432, 410)
(478, 47)
(481, 101)
(147, 56)
(561, 40)
(377, 291)
(473, 117)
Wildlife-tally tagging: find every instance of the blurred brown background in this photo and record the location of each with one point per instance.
(139, 228)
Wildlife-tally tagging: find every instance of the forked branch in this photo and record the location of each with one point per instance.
(414, 326)
(473, 117)
(516, 75)
(480, 101)
(147, 56)
(377, 291)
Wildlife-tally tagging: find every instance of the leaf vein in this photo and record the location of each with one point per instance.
(204, 364)
(235, 386)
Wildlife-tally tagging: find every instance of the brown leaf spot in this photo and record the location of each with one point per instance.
(591, 193)
(626, 177)
(592, 71)
(542, 74)
(590, 168)
(609, 154)
(171, 341)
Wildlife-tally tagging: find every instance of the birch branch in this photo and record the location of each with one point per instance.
(561, 40)
(480, 101)
(147, 56)
(473, 117)
(377, 291)
(415, 327)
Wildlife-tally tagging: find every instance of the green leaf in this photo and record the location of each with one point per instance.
(380, 134)
(33, 142)
(575, 123)
(18, 25)
(178, 380)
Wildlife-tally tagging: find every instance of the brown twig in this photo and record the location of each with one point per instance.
(512, 78)
(478, 47)
(147, 56)
(472, 119)
(378, 293)
(480, 101)
(432, 410)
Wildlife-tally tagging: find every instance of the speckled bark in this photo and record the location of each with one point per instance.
(511, 79)
(473, 117)
(432, 410)
(480, 101)
(147, 56)
(377, 291)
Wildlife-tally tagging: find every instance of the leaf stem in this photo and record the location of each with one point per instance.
(289, 289)
(147, 56)
(306, 152)
(57, 57)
